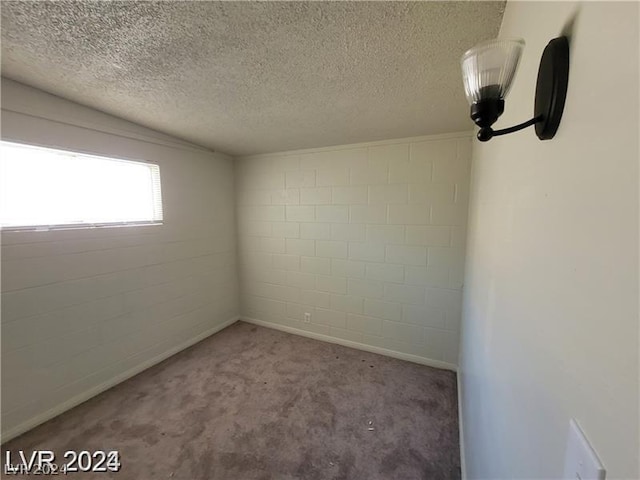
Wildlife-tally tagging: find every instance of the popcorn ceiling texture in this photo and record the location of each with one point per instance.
(254, 77)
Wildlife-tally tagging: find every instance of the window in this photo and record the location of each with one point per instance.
(42, 188)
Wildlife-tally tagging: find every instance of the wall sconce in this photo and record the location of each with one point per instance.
(488, 70)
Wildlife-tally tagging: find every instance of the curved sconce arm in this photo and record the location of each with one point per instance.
(487, 133)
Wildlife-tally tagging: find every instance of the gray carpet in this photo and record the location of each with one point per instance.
(255, 403)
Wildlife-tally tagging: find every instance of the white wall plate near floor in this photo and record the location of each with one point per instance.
(581, 461)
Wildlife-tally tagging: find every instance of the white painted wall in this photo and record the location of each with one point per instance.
(550, 324)
(369, 239)
(82, 309)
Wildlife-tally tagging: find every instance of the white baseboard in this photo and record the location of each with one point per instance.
(84, 396)
(359, 346)
(463, 463)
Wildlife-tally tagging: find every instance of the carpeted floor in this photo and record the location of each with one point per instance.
(255, 403)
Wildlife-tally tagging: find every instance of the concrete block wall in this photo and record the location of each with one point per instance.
(368, 239)
(84, 309)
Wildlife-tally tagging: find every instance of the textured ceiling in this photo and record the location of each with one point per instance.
(254, 77)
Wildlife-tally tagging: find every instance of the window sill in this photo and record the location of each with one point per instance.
(78, 226)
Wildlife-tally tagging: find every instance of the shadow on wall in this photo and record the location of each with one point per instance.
(567, 30)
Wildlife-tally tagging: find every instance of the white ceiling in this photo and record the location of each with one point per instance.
(254, 77)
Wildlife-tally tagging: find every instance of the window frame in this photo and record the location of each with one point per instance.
(87, 225)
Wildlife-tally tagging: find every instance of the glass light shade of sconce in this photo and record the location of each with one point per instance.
(488, 69)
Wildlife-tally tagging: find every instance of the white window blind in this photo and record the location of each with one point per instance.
(44, 188)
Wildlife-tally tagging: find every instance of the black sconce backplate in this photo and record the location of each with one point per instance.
(551, 88)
